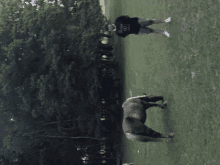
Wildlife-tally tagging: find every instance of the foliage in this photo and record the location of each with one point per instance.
(43, 54)
(45, 70)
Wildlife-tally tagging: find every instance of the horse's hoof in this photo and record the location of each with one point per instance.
(171, 135)
(165, 103)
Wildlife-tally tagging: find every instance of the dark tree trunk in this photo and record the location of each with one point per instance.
(104, 52)
(106, 35)
(105, 47)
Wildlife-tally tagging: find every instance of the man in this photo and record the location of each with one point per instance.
(124, 25)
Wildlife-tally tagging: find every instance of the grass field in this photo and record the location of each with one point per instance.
(185, 69)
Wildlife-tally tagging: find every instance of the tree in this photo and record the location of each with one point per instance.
(43, 57)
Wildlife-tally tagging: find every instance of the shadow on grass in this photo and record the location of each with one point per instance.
(114, 12)
(115, 7)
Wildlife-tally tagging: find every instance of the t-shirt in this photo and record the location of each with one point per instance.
(126, 25)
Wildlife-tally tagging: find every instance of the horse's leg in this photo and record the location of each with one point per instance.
(137, 97)
(148, 134)
(151, 98)
(148, 105)
(155, 134)
(147, 98)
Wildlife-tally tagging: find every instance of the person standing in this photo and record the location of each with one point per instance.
(124, 25)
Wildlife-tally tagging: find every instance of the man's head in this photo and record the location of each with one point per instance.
(110, 27)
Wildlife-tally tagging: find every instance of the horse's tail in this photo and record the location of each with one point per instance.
(141, 138)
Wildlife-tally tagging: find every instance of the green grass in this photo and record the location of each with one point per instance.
(185, 69)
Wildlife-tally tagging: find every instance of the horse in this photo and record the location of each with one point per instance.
(134, 117)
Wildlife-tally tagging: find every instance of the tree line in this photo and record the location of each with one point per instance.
(51, 76)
